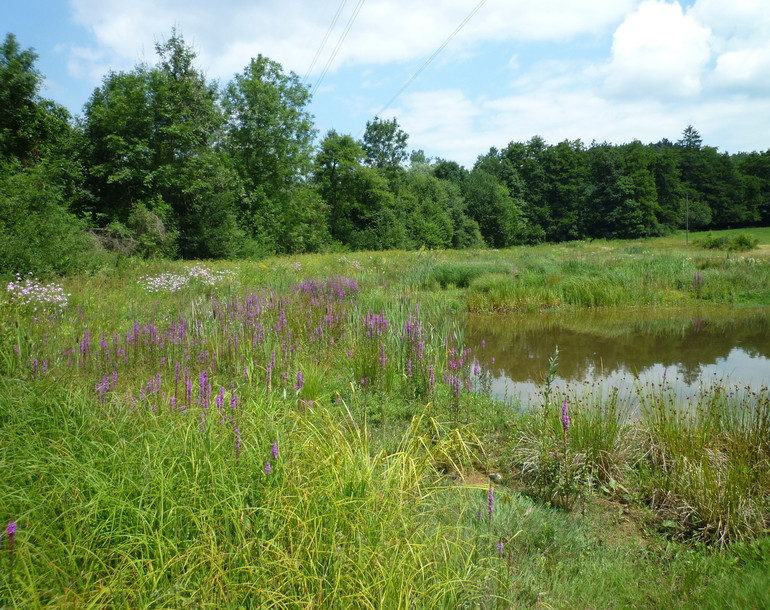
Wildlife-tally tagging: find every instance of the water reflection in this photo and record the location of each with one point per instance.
(622, 348)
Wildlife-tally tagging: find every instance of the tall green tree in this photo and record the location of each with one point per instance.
(39, 174)
(498, 215)
(385, 146)
(270, 143)
(622, 201)
(363, 212)
(30, 126)
(529, 162)
(565, 166)
(429, 203)
(150, 138)
(755, 171)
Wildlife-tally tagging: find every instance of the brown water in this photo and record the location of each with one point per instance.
(623, 349)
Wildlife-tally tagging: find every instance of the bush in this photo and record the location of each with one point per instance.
(712, 242)
(461, 275)
(37, 233)
(742, 242)
(737, 243)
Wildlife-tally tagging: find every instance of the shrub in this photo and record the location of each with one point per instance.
(461, 275)
(37, 233)
(737, 243)
(742, 242)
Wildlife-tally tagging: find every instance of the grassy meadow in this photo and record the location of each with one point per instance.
(313, 432)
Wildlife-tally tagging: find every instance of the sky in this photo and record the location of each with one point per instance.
(460, 76)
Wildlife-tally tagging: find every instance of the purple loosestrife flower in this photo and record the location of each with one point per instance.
(220, 401)
(565, 416)
(268, 467)
(500, 547)
(238, 445)
(491, 501)
(274, 450)
(300, 381)
(10, 530)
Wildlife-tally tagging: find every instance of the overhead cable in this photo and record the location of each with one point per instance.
(342, 37)
(325, 39)
(432, 57)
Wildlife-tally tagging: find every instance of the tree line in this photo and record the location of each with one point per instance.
(165, 163)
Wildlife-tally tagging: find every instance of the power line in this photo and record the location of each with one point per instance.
(432, 57)
(325, 39)
(344, 34)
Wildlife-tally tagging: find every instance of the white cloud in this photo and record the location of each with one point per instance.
(444, 123)
(744, 70)
(664, 68)
(228, 33)
(741, 39)
(658, 52)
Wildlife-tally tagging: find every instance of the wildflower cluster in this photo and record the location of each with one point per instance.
(173, 282)
(31, 295)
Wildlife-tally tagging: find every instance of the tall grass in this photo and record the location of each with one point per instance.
(708, 465)
(130, 508)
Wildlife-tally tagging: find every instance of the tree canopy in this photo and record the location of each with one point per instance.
(165, 163)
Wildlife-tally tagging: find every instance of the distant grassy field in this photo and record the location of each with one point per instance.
(313, 432)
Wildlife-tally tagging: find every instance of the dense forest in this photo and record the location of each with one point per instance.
(163, 163)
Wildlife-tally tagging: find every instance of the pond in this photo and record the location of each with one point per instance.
(602, 350)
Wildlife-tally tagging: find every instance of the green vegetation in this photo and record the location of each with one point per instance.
(740, 242)
(164, 164)
(314, 431)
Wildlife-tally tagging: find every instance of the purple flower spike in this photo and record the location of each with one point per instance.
(10, 530)
(300, 381)
(238, 445)
(500, 547)
(565, 416)
(268, 467)
(491, 501)
(274, 450)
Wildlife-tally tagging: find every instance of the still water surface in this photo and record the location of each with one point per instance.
(623, 349)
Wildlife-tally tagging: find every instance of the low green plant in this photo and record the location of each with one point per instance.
(544, 451)
(739, 242)
(461, 275)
